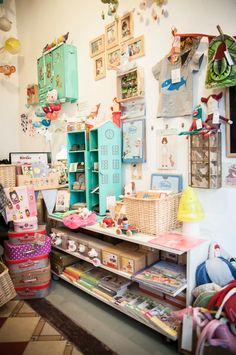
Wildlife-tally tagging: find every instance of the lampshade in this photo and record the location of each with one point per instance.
(190, 208)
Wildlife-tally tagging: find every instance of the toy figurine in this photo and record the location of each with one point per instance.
(107, 221)
(91, 117)
(125, 228)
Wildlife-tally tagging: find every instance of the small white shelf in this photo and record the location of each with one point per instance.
(79, 256)
(121, 309)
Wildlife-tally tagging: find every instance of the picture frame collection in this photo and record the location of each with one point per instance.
(106, 50)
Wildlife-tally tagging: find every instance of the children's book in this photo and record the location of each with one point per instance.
(167, 277)
(177, 241)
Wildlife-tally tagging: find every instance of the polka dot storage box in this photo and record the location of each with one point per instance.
(22, 251)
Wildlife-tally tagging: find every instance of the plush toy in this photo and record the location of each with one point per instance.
(214, 119)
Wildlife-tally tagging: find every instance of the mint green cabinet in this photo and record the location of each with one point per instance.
(57, 69)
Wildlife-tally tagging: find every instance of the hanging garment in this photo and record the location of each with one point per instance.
(221, 71)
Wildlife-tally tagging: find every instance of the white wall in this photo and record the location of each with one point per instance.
(40, 21)
(9, 91)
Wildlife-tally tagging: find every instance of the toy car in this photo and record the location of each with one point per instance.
(128, 231)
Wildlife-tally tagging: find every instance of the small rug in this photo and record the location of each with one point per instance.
(36, 327)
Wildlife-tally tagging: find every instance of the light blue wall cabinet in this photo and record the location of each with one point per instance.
(105, 165)
(57, 69)
(77, 145)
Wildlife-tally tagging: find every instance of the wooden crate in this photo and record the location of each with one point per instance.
(42, 183)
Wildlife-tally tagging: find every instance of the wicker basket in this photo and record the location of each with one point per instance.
(8, 175)
(153, 216)
(7, 291)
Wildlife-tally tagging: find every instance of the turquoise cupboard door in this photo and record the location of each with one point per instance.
(58, 62)
(44, 76)
(71, 72)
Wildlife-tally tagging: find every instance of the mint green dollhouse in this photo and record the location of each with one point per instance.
(77, 146)
(102, 165)
(57, 69)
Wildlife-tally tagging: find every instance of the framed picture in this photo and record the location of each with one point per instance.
(62, 201)
(111, 32)
(167, 182)
(134, 141)
(29, 158)
(97, 46)
(126, 27)
(134, 47)
(133, 109)
(113, 57)
(230, 112)
(99, 67)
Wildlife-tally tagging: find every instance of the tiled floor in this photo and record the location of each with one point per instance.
(24, 332)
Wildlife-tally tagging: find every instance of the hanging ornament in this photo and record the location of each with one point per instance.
(103, 15)
(154, 14)
(12, 45)
(7, 69)
(39, 112)
(46, 123)
(24, 122)
(5, 24)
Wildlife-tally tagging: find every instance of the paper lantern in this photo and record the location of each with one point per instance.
(190, 212)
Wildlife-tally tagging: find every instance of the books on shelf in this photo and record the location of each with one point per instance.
(167, 277)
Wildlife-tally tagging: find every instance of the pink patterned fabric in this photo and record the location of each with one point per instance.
(22, 251)
(75, 221)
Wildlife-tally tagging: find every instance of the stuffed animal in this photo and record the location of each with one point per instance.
(214, 119)
(7, 69)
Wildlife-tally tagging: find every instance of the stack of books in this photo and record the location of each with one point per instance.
(113, 284)
(164, 276)
(149, 311)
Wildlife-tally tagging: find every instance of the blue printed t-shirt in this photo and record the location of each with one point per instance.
(176, 99)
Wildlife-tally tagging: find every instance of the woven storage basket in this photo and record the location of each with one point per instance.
(8, 175)
(153, 216)
(7, 291)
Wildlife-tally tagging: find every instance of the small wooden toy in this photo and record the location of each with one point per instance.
(125, 228)
(107, 221)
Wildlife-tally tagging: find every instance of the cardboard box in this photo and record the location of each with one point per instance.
(152, 254)
(132, 261)
(111, 257)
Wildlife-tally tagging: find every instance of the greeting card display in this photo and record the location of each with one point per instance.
(134, 141)
(21, 203)
(63, 201)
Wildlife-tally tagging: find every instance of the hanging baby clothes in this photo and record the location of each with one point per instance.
(3, 202)
(221, 67)
(176, 95)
